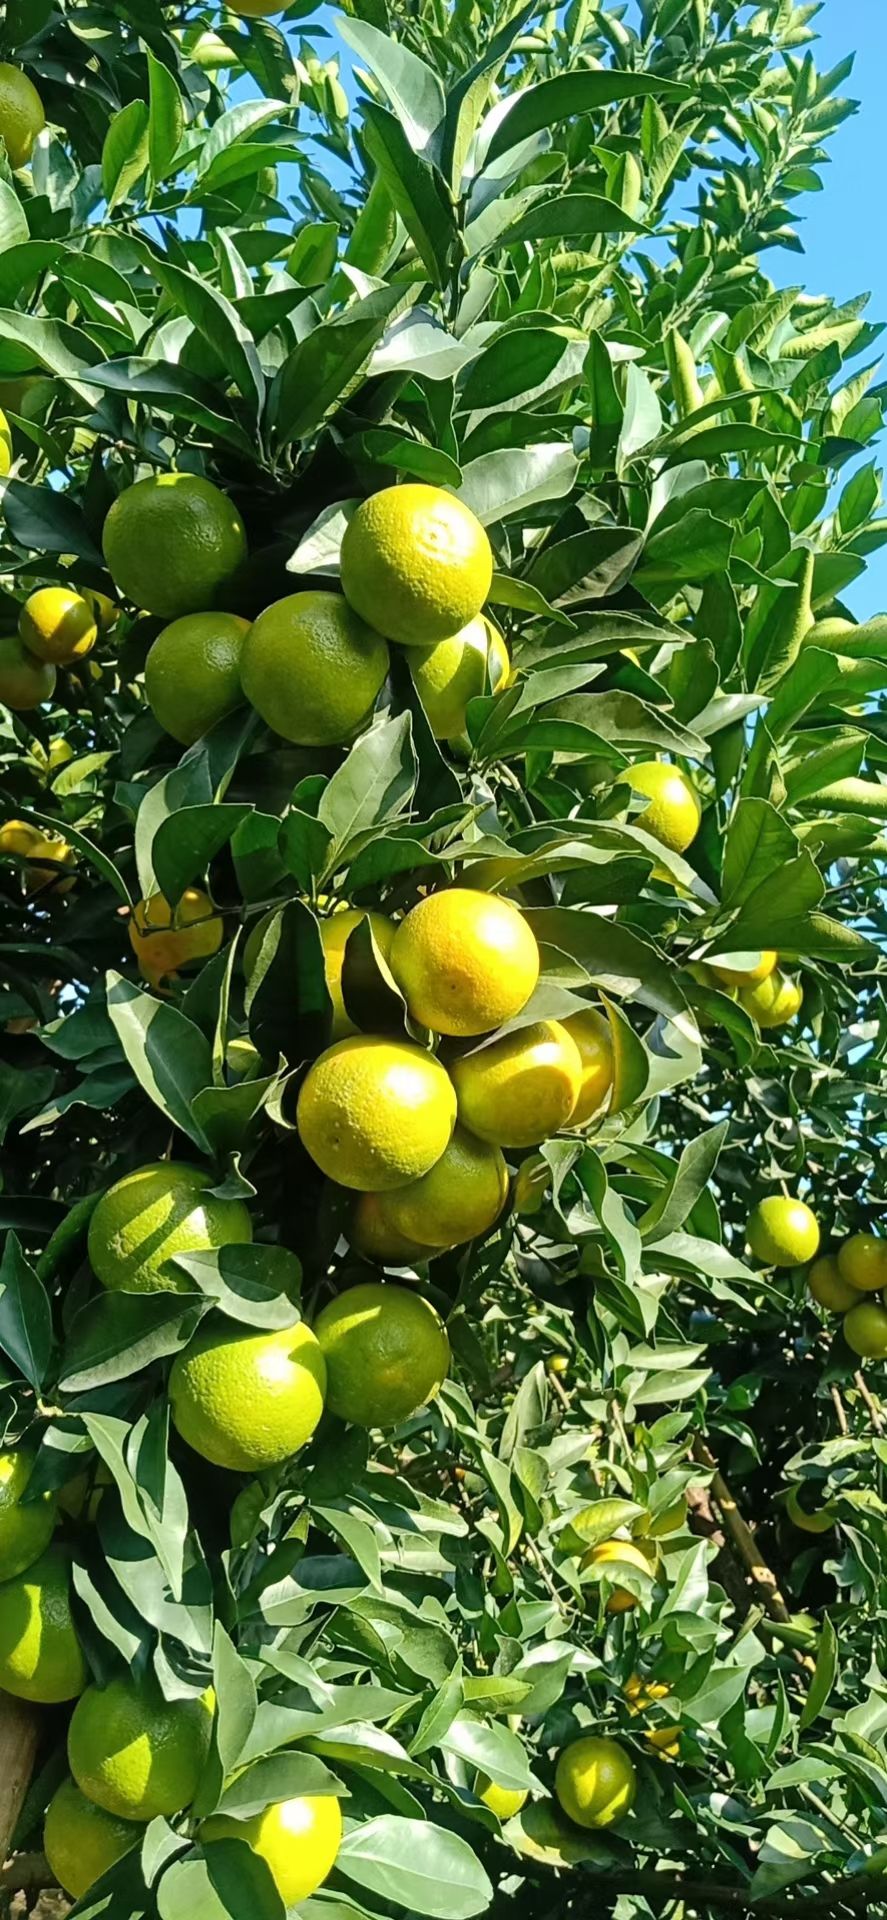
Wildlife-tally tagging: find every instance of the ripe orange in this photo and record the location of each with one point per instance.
(618, 1553)
(591, 1033)
(731, 976)
(519, 1090)
(674, 812)
(57, 625)
(416, 564)
(375, 1113)
(465, 961)
(298, 1838)
(774, 1001)
(164, 938)
(334, 936)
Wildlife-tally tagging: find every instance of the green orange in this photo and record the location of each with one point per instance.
(865, 1330)
(386, 1351)
(148, 1217)
(81, 1841)
(457, 670)
(313, 668)
(192, 673)
(334, 936)
(248, 1400)
(136, 1754)
(374, 1237)
(595, 1782)
(26, 1527)
(862, 1262)
(21, 114)
(828, 1287)
(783, 1232)
(24, 681)
(40, 1655)
(460, 1197)
(172, 542)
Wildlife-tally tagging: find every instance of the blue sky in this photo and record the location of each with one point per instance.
(843, 228)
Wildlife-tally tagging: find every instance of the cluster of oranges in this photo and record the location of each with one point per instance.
(57, 628)
(420, 1137)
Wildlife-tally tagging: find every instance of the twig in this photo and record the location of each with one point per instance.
(874, 1411)
(839, 1409)
(742, 1538)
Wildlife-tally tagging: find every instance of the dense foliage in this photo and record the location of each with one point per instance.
(528, 266)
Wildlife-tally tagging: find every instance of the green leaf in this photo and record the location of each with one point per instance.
(187, 841)
(642, 417)
(497, 485)
(824, 1676)
(356, 1536)
(119, 1334)
(166, 118)
(416, 1865)
(231, 127)
(282, 1776)
(374, 785)
(691, 1176)
(125, 151)
(39, 518)
(215, 319)
(413, 89)
(468, 97)
(13, 221)
(236, 1700)
(25, 1316)
(321, 371)
(573, 93)
(416, 189)
(579, 947)
(287, 999)
(570, 216)
(170, 1057)
(513, 364)
(257, 1286)
(492, 1750)
(173, 390)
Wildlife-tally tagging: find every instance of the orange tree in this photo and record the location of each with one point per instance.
(644, 1508)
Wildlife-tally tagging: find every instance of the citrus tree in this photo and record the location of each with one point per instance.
(441, 1068)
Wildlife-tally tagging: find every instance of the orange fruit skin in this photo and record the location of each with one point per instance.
(416, 564)
(57, 625)
(192, 673)
(862, 1262)
(386, 1350)
(21, 114)
(745, 976)
(460, 1197)
(299, 1839)
(827, 1286)
(172, 542)
(618, 1551)
(674, 812)
(465, 961)
(164, 939)
(519, 1090)
(595, 1782)
(865, 1330)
